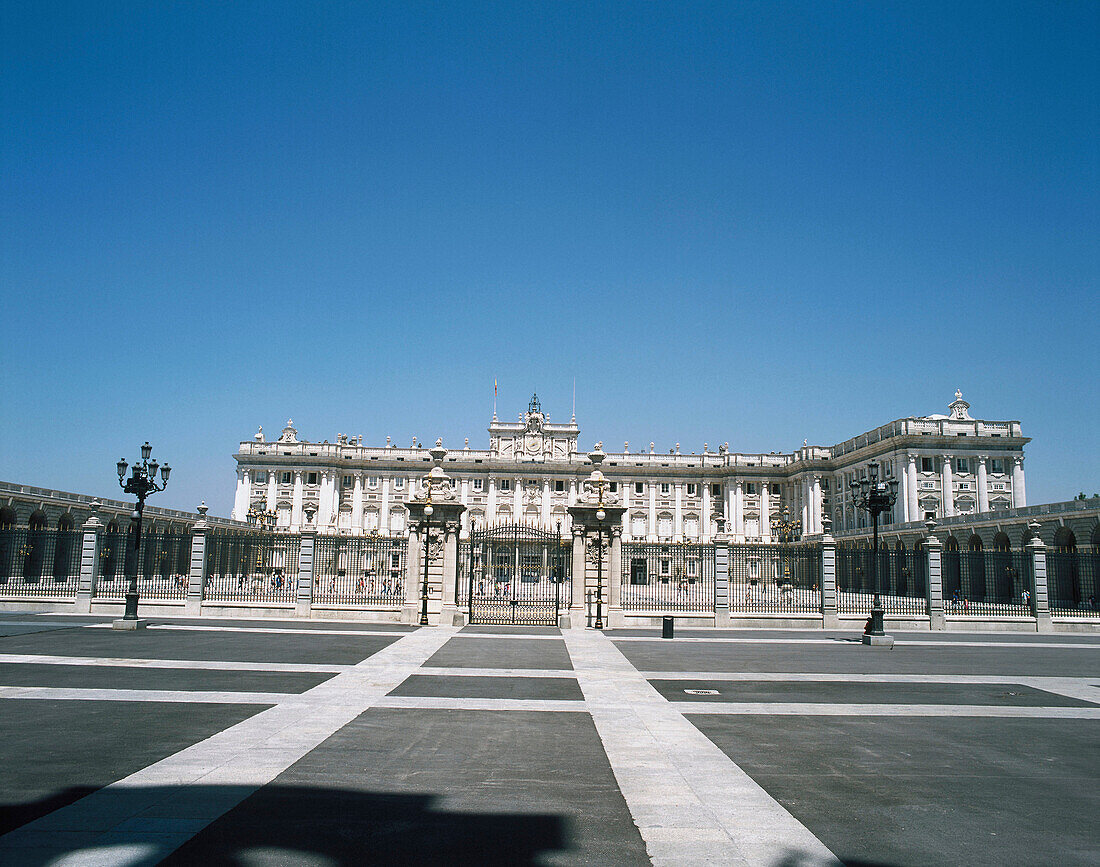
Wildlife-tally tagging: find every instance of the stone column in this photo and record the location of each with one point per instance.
(448, 608)
(614, 578)
(296, 502)
(651, 533)
(705, 529)
(196, 579)
(414, 572)
(357, 505)
(721, 585)
(272, 491)
(544, 512)
(491, 503)
(947, 489)
(384, 512)
(240, 499)
(1040, 599)
(89, 560)
(815, 503)
(934, 590)
(829, 617)
(577, 603)
(303, 600)
(804, 491)
(983, 487)
(765, 510)
(678, 514)
(517, 500)
(914, 505)
(739, 507)
(1019, 495)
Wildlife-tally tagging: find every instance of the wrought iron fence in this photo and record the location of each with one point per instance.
(515, 574)
(667, 577)
(775, 579)
(39, 562)
(162, 564)
(251, 567)
(359, 570)
(987, 582)
(902, 581)
(1071, 581)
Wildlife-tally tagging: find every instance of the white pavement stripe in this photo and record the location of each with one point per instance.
(467, 703)
(187, 664)
(61, 693)
(180, 627)
(768, 676)
(239, 759)
(497, 672)
(852, 642)
(691, 803)
(811, 709)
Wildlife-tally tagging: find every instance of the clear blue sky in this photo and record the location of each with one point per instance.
(747, 222)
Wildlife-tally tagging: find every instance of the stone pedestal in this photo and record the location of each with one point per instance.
(129, 625)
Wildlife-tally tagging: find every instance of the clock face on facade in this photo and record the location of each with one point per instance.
(533, 444)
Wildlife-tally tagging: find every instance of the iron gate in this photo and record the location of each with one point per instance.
(515, 574)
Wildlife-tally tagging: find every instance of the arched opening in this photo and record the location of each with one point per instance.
(7, 518)
(975, 557)
(34, 562)
(1005, 573)
(65, 560)
(1064, 570)
(1001, 542)
(952, 571)
(7, 543)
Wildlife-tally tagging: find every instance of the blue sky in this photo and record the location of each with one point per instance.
(747, 222)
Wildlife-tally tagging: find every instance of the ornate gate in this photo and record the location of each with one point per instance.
(515, 574)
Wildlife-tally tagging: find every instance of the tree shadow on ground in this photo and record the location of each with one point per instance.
(284, 824)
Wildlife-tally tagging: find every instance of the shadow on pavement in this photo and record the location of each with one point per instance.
(278, 824)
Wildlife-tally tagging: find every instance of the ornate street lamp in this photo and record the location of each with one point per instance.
(788, 531)
(264, 518)
(425, 532)
(601, 516)
(874, 497)
(141, 484)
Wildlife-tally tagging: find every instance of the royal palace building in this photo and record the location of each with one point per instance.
(533, 469)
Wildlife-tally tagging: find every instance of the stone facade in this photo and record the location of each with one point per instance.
(24, 505)
(946, 464)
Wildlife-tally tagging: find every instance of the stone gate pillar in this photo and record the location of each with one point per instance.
(303, 598)
(1040, 597)
(89, 560)
(830, 619)
(196, 576)
(934, 588)
(435, 519)
(597, 515)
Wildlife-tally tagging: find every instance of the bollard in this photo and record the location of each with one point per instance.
(666, 627)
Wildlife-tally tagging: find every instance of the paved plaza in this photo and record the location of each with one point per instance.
(322, 743)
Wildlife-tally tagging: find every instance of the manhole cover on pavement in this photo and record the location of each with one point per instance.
(701, 691)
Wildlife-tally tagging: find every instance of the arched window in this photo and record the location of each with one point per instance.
(7, 518)
(34, 563)
(952, 569)
(1063, 566)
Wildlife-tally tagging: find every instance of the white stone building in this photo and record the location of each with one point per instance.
(945, 464)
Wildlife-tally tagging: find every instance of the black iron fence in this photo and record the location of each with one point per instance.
(902, 580)
(1071, 581)
(359, 570)
(161, 564)
(775, 579)
(515, 574)
(251, 567)
(667, 577)
(987, 582)
(39, 562)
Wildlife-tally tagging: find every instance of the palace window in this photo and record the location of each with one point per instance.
(261, 477)
(716, 490)
(691, 489)
(613, 487)
(284, 478)
(311, 478)
(664, 487)
(962, 465)
(398, 483)
(347, 481)
(997, 465)
(559, 485)
(372, 481)
(775, 489)
(639, 487)
(927, 465)
(750, 488)
(506, 484)
(479, 484)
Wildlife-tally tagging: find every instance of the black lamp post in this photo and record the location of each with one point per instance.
(601, 516)
(264, 518)
(141, 484)
(425, 531)
(875, 497)
(788, 531)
